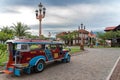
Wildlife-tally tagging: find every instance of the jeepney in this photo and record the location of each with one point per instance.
(26, 55)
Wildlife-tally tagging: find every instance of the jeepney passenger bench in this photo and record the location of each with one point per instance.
(48, 53)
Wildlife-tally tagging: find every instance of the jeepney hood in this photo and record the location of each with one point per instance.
(65, 50)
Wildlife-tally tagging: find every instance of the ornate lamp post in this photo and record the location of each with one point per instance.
(82, 39)
(40, 14)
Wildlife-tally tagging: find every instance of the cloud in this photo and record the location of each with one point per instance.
(21, 14)
(79, 13)
(62, 16)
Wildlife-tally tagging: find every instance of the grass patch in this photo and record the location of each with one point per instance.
(74, 49)
(104, 47)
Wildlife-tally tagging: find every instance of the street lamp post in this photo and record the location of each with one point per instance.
(82, 41)
(40, 14)
(84, 37)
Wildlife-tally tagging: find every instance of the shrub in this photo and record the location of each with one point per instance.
(3, 53)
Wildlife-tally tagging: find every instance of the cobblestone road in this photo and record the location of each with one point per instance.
(94, 64)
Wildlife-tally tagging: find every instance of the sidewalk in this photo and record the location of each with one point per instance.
(116, 73)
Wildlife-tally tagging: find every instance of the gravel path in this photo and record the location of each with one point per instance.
(93, 64)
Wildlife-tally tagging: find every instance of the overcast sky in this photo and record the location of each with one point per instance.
(61, 15)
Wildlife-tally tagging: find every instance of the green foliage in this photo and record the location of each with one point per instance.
(110, 35)
(3, 47)
(100, 35)
(6, 30)
(20, 29)
(68, 37)
(5, 34)
(3, 57)
(32, 36)
(74, 49)
(3, 53)
(107, 35)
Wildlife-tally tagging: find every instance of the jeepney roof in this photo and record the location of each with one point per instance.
(29, 41)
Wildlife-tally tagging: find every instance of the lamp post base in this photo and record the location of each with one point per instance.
(91, 46)
(81, 47)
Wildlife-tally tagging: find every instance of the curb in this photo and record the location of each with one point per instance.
(110, 74)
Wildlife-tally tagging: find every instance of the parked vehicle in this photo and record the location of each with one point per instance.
(26, 55)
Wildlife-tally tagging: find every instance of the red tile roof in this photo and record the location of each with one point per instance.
(91, 35)
(110, 28)
(83, 31)
(61, 34)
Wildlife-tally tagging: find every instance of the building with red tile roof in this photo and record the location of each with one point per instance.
(91, 35)
(114, 41)
(78, 35)
(110, 28)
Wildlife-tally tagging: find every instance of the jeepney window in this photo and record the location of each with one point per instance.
(52, 46)
(47, 46)
(37, 46)
(60, 46)
(23, 47)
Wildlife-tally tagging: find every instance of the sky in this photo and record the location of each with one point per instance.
(61, 15)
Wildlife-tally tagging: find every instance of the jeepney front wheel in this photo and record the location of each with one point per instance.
(40, 66)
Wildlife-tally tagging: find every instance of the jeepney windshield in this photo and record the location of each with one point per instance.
(56, 46)
(22, 47)
(37, 46)
(28, 47)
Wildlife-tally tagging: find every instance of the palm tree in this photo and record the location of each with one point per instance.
(20, 29)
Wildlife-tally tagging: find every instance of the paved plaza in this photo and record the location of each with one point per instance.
(92, 64)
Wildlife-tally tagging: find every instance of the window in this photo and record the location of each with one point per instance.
(53, 46)
(37, 46)
(23, 47)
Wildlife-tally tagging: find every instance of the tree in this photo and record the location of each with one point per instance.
(68, 38)
(118, 33)
(75, 35)
(5, 34)
(63, 37)
(6, 30)
(20, 29)
(4, 37)
(108, 36)
(102, 37)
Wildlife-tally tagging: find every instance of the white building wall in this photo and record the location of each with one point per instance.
(73, 42)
